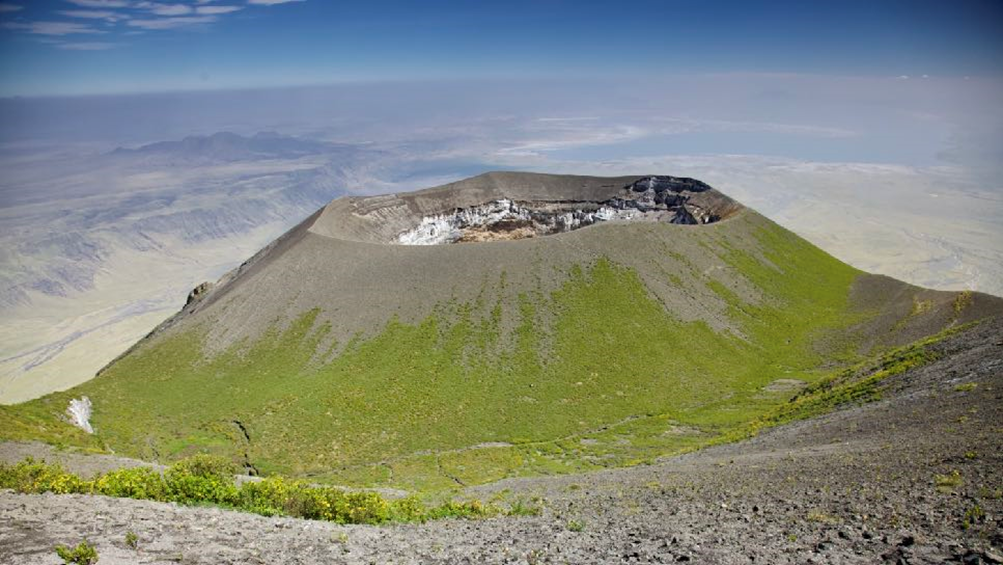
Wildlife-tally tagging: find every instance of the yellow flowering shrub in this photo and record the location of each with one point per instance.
(269, 497)
(203, 479)
(29, 476)
(138, 482)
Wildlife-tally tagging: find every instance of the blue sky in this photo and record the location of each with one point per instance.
(59, 47)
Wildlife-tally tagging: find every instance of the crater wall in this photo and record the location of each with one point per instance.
(502, 205)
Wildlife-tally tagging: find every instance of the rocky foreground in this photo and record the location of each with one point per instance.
(914, 478)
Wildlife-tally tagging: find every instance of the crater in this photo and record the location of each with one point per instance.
(499, 206)
(649, 199)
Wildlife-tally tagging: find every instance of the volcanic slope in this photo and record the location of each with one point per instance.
(555, 324)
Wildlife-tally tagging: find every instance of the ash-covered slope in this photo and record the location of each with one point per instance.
(357, 265)
(518, 345)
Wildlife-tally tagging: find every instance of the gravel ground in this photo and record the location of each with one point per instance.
(855, 486)
(85, 465)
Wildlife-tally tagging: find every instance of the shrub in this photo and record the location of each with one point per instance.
(962, 300)
(408, 509)
(205, 465)
(204, 479)
(132, 540)
(973, 515)
(201, 479)
(269, 497)
(83, 554)
(29, 476)
(364, 508)
(139, 482)
(822, 517)
(469, 509)
(949, 482)
(328, 503)
(523, 508)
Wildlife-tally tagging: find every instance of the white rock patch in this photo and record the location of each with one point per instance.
(79, 412)
(449, 228)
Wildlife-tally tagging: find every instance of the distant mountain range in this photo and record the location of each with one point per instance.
(227, 146)
(193, 208)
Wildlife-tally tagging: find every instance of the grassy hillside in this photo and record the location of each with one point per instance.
(596, 373)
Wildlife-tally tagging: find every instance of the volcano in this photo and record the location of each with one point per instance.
(505, 325)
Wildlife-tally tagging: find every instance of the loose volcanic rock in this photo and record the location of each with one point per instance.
(198, 292)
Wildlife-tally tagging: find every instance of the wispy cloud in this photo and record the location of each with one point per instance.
(217, 9)
(137, 15)
(87, 46)
(167, 9)
(172, 23)
(101, 3)
(106, 15)
(571, 119)
(50, 28)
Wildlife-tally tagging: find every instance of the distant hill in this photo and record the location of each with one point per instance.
(227, 146)
(545, 324)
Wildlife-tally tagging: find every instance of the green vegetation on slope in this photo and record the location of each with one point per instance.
(203, 479)
(854, 385)
(595, 374)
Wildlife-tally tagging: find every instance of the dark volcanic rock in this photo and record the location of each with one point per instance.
(683, 216)
(198, 292)
(662, 183)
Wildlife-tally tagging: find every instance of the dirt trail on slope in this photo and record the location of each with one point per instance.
(855, 486)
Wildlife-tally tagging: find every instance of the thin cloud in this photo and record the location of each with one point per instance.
(168, 9)
(51, 28)
(172, 23)
(106, 15)
(160, 16)
(208, 10)
(101, 3)
(571, 119)
(87, 46)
